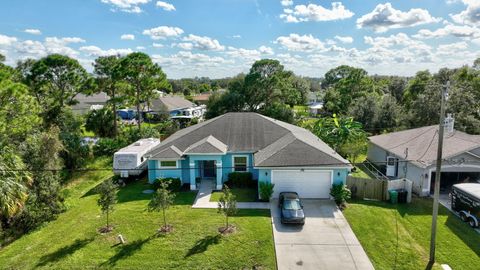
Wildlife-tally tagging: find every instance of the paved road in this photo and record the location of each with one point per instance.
(326, 241)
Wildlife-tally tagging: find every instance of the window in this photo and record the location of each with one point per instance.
(240, 163)
(168, 163)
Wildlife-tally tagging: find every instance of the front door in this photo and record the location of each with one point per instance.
(209, 169)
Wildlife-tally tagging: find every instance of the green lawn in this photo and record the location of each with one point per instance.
(72, 240)
(375, 225)
(241, 195)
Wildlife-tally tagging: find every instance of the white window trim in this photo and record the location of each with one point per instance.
(233, 162)
(160, 164)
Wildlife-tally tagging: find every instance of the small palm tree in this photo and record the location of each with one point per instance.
(13, 183)
(161, 201)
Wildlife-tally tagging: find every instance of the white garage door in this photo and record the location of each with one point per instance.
(308, 184)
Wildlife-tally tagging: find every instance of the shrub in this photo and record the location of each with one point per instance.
(174, 184)
(266, 191)
(108, 146)
(240, 180)
(341, 194)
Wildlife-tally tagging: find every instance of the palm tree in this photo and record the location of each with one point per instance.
(13, 183)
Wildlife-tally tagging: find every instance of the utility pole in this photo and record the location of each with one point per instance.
(438, 174)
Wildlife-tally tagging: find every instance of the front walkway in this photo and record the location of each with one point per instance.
(205, 189)
(326, 241)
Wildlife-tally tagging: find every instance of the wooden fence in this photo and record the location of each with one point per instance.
(364, 188)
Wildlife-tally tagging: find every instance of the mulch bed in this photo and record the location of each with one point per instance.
(227, 230)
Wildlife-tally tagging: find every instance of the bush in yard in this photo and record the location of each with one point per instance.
(341, 194)
(106, 201)
(108, 146)
(173, 184)
(240, 179)
(161, 201)
(266, 191)
(227, 206)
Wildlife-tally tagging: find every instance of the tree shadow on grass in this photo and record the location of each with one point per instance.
(63, 252)
(126, 250)
(467, 234)
(203, 244)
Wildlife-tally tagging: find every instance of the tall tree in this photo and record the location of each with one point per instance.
(55, 80)
(143, 77)
(107, 76)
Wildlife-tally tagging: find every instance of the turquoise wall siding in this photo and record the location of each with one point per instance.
(154, 172)
(227, 164)
(340, 176)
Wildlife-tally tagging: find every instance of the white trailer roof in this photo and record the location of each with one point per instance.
(470, 188)
(140, 146)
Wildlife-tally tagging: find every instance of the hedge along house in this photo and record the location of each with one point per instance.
(412, 154)
(291, 157)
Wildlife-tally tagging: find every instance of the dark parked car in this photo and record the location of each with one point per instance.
(291, 208)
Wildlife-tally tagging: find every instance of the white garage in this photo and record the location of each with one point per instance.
(313, 184)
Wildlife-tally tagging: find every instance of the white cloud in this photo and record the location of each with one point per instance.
(345, 39)
(463, 31)
(471, 15)
(33, 31)
(140, 48)
(242, 53)
(165, 6)
(295, 42)
(317, 13)
(163, 32)
(96, 51)
(6, 40)
(157, 45)
(204, 43)
(286, 3)
(129, 6)
(183, 45)
(127, 37)
(265, 50)
(385, 17)
(236, 36)
(452, 48)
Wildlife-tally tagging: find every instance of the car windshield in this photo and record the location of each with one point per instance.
(292, 205)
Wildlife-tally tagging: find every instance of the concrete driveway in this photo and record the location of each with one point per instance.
(326, 241)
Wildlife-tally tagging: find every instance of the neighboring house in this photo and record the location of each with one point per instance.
(291, 157)
(315, 103)
(412, 154)
(177, 106)
(202, 98)
(90, 102)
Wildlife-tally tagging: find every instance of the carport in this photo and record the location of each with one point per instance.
(452, 175)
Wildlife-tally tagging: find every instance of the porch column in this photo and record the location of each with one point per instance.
(219, 174)
(192, 168)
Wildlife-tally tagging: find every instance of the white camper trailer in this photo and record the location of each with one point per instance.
(131, 160)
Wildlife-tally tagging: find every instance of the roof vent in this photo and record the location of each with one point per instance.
(449, 123)
(138, 143)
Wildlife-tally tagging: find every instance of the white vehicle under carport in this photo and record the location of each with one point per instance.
(466, 202)
(131, 160)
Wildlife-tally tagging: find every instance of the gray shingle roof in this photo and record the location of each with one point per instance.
(422, 144)
(207, 145)
(171, 152)
(170, 103)
(275, 143)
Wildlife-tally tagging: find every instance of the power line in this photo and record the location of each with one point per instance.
(221, 167)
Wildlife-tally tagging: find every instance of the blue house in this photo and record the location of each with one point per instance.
(291, 157)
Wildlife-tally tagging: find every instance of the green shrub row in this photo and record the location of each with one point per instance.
(241, 180)
(175, 184)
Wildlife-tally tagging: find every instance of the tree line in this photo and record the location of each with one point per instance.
(41, 138)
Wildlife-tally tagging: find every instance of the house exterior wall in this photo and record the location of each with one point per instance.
(376, 154)
(188, 168)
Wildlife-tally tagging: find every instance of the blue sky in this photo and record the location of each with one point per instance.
(219, 38)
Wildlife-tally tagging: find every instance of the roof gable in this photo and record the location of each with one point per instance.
(208, 145)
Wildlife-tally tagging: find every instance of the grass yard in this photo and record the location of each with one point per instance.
(72, 240)
(375, 225)
(241, 195)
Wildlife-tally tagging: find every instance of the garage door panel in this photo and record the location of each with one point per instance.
(308, 184)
